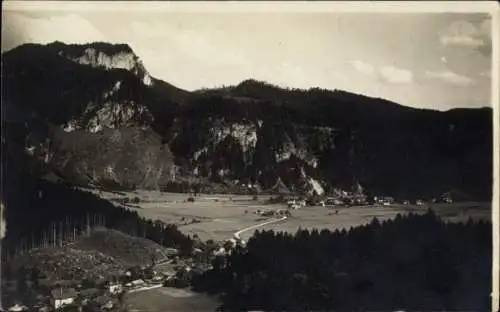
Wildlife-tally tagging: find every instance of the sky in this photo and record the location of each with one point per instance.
(425, 60)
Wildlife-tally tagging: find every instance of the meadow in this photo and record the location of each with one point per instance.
(218, 217)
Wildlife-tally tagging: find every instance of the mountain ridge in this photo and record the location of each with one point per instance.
(126, 48)
(252, 132)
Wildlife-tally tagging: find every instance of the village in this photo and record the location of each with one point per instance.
(104, 291)
(97, 292)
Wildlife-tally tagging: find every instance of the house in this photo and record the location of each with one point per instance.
(446, 198)
(219, 252)
(334, 202)
(115, 288)
(420, 202)
(18, 307)
(62, 297)
(296, 204)
(385, 201)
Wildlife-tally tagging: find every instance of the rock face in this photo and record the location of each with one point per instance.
(87, 114)
(126, 157)
(103, 55)
(95, 115)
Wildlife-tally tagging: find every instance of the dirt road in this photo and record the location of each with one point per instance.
(237, 234)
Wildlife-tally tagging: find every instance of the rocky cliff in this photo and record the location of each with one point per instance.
(103, 55)
(65, 106)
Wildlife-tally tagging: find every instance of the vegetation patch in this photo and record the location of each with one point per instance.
(413, 262)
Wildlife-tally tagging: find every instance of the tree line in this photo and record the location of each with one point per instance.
(414, 262)
(40, 214)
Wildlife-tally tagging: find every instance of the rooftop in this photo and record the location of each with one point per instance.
(63, 293)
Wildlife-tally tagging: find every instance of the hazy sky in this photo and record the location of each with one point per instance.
(431, 60)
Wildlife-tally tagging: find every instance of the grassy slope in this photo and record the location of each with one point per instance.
(126, 249)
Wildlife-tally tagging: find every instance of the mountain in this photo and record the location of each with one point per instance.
(93, 114)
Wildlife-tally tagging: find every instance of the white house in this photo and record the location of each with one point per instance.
(18, 307)
(62, 297)
(296, 204)
(115, 288)
(386, 201)
(220, 251)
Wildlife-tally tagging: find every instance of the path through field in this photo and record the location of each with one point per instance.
(237, 234)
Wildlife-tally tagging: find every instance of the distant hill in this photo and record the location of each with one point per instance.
(91, 111)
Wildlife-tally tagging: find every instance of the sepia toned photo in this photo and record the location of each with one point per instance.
(224, 156)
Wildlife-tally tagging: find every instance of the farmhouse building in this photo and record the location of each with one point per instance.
(115, 288)
(296, 204)
(18, 307)
(385, 201)
(62, 297)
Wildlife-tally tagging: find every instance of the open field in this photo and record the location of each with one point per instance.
(317, 217)
(221, 216)
(169, 299)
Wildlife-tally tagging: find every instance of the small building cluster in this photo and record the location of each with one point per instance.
(274, 213)
(296, 203)
(384, 201)
(97, 295)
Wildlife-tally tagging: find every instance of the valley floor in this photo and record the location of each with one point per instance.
(219, 217)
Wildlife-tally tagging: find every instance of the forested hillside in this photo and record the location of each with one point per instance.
(252, 132)
(412, 263)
